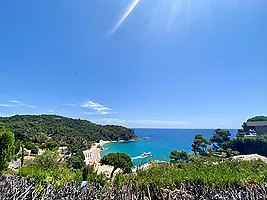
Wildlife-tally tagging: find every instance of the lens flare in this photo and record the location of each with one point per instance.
(125, 15)
(175, 15)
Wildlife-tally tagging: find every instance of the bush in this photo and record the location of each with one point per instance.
(32, 147)
(248, 145)
(45, 161)
(57, 176)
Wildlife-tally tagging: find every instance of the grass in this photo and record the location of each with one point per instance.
(215, 175)
(57, 176)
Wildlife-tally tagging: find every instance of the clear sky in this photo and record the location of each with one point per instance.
(147, 63)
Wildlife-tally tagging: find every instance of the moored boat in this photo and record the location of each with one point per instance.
(146, 154)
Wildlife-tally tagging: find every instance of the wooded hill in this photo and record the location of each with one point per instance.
(75, 133)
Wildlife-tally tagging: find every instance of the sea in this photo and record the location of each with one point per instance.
(160, 142)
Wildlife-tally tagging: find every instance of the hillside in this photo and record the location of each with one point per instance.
(76, 133)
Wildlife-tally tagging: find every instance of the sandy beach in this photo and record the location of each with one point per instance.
(92, 158)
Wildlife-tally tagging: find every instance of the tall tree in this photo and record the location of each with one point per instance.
(200, 145)
(179, 155)
(117, 160)
(77, 161)
(219, 137)
(7, 148)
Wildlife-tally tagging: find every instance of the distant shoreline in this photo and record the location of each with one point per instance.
(93, 157)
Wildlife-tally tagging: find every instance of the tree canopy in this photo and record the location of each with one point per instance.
(7, 147)
(179, 155)
(45, 161)
(77, 161)
(257, 118)
(248, 145)
(32, 147)
(200, 145)
(219, 137)
(117, 160)
(76, 133)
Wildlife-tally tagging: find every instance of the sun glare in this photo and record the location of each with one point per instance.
(125, 15)
(167, 14)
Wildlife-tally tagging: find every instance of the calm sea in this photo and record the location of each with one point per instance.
(160, 143)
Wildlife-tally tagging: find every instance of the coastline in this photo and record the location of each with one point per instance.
(92, 158)
(92, 155)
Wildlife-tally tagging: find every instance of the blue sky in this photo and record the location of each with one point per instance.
(147, 63)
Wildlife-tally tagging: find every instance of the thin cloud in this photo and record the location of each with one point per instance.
(99, 113)
(51, 110)
(69, 104)
(15, 103)
(97, 109)
(6, 105)
(31, 106)
(94, 106)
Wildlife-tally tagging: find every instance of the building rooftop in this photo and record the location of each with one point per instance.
(257, 123)
(250, 157)
(28, 158)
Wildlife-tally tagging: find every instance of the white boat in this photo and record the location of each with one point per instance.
(146, 154)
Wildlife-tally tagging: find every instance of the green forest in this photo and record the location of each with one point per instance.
(51, 130)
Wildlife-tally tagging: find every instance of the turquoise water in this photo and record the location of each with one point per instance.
(160, 143)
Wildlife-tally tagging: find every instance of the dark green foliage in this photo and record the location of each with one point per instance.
(219, 137)
(89, 175)
(248, 145)
(179, 156)
(41, 137)
(76, 133)
(77, 161)
(240, 132)
(117, 160)
(257, 118)
(244, 127)
(200, 145)
(32, 147)
(6, 148)
(45, 161)
(51, 145)
(17, 145)
(85, 171)
(231, 152)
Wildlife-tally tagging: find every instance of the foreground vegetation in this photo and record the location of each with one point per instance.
(200, 179)
(215, 174)
(208, 173)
